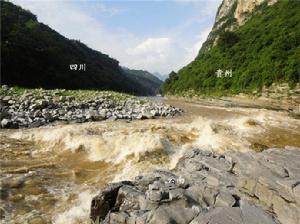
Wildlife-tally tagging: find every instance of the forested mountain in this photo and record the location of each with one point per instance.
(145, 80)
(252, 44)
(34, 55)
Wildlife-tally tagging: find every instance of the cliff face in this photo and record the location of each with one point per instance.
(245, 7)
(231, 15)
(241, 8)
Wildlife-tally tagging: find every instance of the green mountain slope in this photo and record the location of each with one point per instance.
(145, 80)
(263, 51)
(34, 55)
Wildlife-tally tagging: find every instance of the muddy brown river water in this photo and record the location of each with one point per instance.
(50, 174)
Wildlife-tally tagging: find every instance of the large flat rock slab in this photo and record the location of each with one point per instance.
(208, 187)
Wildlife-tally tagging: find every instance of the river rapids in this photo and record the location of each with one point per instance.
(50, 174)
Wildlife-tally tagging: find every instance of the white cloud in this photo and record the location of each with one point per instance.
(75, 23)
(151, 45)
(194, 49)
(99, 7)
(150, 53)
(163, 53)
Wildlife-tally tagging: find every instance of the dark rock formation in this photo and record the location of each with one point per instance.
(208, 187)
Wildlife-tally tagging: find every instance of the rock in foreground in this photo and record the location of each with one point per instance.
(207, 187)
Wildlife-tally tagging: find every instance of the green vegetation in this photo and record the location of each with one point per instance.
(33, 55)
(145, 80)
(265, 50)
(79, 95)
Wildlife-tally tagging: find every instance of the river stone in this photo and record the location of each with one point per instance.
(5, 99)
(105, 201)
(11, 102)
(212, 180)
(117, 218)
(171, 214)
(62, 98)
(5, 87)
(146, 204)
(42, 103)
(128, 198)
(224, 199)
(6, 123)
(157, 195)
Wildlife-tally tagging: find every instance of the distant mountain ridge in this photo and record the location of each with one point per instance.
(259, 41)
(160, 76)
(149, 82)
(34, 55)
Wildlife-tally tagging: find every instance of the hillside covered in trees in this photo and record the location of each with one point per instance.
(147, 81)
(264, 50)
(34, 55)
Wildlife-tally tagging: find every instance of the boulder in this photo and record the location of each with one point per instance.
(105, 201)
(6, 123)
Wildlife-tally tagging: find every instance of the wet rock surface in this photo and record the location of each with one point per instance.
(39, 107)
(208, 187)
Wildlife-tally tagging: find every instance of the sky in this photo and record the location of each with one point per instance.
(153, 35)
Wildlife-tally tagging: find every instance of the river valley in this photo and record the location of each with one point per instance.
(50, 174)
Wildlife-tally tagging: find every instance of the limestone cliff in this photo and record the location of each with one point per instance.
(240, 8)
(232, 14)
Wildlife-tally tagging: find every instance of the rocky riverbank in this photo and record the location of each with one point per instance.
(208, 187)
(278, 97)
(22, 108)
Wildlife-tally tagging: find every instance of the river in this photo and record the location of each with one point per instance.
(50, 174)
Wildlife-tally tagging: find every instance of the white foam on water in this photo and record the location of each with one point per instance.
(77, 213)
(116, 144)
(142, 146)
